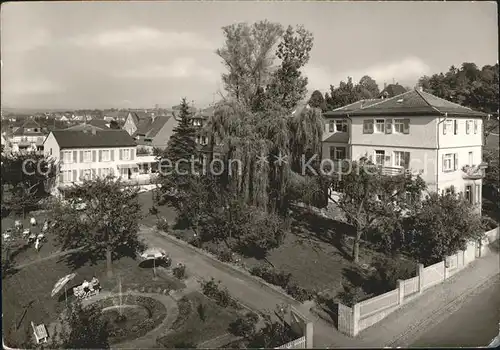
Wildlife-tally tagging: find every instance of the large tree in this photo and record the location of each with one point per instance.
(370, 85)
(317, 100)
(107, 225)
(27, 177)
(371, 201)
(443, 225)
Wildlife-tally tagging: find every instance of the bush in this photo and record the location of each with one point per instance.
(225, 255)
(298, 293)
(179, 271)
(220, 296)
(488, 223)
(280, 278)
(162, 225)
(387, 273)
(244, 326)
(351, 295)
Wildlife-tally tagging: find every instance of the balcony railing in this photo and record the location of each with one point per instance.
(474, 172)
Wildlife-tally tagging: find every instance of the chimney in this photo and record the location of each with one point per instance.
(153, 117)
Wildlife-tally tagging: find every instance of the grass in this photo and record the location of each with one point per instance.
(32, 285)
(191, 329)
(22, 252)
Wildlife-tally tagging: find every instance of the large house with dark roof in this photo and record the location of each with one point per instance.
(414, 131)
(150, 130)
(91, 153)
(28, 137)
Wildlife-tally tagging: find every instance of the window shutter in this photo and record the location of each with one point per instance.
(93, 156)
(456, 126)
(132, 151)
(74, 176)
(406, 160)
(61, 156)
(99, 172)
(406, 126)
(365, 127)
(75, 157)
(100, 155)
(112, 151)
(61, 177)
(331, 127)
(121, 154)
(467, 127)
(475, 126)
(112, 171)
(81, 156)
(388, 126)
(444, 166)
(93, 174)
(444, 127)
(455, 161)
(81, 175)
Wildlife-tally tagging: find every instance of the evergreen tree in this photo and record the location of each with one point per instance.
(182, 144)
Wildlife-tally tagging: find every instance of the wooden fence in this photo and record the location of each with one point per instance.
(352, 320)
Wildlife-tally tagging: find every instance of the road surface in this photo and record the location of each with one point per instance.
(474, 323)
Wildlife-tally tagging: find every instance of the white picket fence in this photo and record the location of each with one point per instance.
(351, 320)
(299, 343)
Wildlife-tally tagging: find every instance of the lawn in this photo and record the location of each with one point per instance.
(200, 319)
(31, 287)
(146, 201)
(22, 252)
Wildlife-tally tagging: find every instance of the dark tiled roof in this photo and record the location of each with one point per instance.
(393, 90)
(29, 124)
(409, 103)
(149, 128)
(100, 123)
(87, 139)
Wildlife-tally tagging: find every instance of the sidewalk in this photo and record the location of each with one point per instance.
(400, 327)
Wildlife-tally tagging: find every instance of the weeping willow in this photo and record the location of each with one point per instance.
(251, 137)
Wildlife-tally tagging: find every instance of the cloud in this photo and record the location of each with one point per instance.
(405, 70)
(36, 39)
(139, 38)
(180, 68)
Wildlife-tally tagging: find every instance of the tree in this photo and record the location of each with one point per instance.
(371, 200)
(317, 100)
(107, 226)
(28, 178)
(114, 125)
(82, 328)
(370, 85)
(443, 225)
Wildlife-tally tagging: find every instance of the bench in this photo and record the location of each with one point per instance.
(40, 332)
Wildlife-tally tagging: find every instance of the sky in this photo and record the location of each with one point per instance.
(140, 54)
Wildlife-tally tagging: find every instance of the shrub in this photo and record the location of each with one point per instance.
(162, 224)
(488, 223)
(225, 255)
(298, 293)
(244, 326)
(280, 278)
(179, 271)
(220, 296)
(387, 273)
(351, 295)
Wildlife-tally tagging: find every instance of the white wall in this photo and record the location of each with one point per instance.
(462, 138)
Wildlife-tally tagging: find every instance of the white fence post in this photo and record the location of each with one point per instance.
(420, 274)
(445, 263)
(309, 335)
(401, 291)
(355, 319)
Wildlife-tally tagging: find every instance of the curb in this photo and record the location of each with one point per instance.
(451, 306)
(227, 266)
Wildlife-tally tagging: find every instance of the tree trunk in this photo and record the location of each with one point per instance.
(109, 262)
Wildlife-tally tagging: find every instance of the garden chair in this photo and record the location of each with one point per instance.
(33, 222)
(40, 332)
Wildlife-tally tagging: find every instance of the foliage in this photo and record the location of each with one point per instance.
(108, 224)
(317, 100)
(84, 329)
(162, 225)
(142, 151)
(179, 271)
(221, 296)
(28, 177)
(348, 92)
(443, 225)
(377, 204)
(488, 223)
(491, 178)
(245, 326)
(386, 274)
(273, 334)
(114, 125)
(351, 295)
(370, 85)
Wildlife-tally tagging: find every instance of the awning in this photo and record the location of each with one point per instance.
(127, 166)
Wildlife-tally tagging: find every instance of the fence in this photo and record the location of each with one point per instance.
(352, 320)
(299, 343)
(303, 326)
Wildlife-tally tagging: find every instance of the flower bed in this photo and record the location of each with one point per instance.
(148, 315)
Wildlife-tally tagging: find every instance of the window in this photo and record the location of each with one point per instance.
(399, 126)
(66, 175)
(204, 140)
(379, 157)
(450, 162)
(455, 123)
(87, 174)
(402, 159)
(471, 158)
(67, 157)
(104, 172)
(447, 126)
(340, 153)
(126, 154)
(468, 125)
(341, 125)
(331, 126)
(468, 193)
(51, 151)
(475, 126)
(380, 125)
(105, 156)
(87, 156)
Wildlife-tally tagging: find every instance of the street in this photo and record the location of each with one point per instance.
(474, 323)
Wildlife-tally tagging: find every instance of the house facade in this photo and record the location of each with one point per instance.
(415, 132)
(29, 137)
(91, 153)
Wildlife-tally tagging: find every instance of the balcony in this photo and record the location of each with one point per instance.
(474, 172)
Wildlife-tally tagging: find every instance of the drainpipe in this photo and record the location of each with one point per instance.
(437, 151)
(349, 141)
